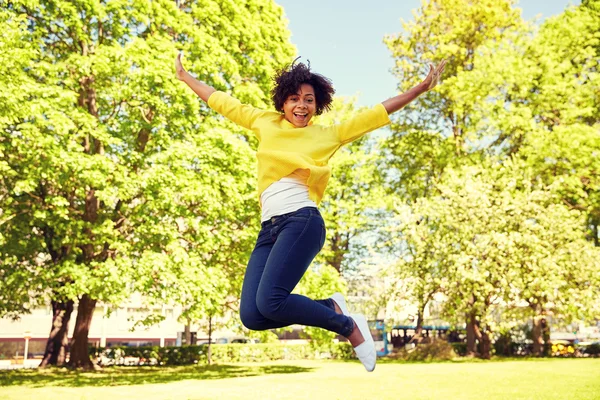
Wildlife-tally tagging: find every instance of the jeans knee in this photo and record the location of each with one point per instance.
(269, 306)
(252, 320)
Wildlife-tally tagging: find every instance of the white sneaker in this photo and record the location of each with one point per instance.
(365, 351)
(341, 302)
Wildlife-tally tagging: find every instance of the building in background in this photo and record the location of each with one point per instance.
(109, 328)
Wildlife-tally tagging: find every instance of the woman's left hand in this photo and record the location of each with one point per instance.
(434, 75)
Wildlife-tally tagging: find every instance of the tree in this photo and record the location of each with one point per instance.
(31, 106)
(197, 255)
(420, 244)
(490, 241)
(439, 126)
(443, 128)
(514, 245)
(565, 100)
(354, 202)
(485, 108)
(100, 143)
(548, 106)
(16, 47)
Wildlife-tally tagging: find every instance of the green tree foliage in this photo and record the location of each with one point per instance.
(566, 103)
(432, 131)
(123, 172)
(514, 251)
(199, 245)
(16, 48)
(528, 96)
(440, 128)
(354, 202)
(320, 282)
(490, 242)
(547, 113)
(421, 244)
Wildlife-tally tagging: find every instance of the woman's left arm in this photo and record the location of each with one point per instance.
(398, 102)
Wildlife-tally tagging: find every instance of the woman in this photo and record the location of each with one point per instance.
(292, 177)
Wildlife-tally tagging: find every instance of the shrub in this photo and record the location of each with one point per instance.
(592, 349)
(220, 353)
(460, 348)
(150, 355)
(440, 350)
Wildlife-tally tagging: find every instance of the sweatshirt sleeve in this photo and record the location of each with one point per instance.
(363, 123)
(232, 109)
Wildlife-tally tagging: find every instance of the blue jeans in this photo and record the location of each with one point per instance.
(285, 247)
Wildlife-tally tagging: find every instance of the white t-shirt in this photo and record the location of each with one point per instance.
(287, 195)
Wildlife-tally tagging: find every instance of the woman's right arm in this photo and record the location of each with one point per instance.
(229, 107)
(200, 88)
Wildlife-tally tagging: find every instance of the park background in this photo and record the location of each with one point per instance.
(477, 209)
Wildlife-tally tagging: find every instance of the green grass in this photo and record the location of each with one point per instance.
(577, 379)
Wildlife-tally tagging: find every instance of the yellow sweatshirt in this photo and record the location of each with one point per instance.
(284, 148)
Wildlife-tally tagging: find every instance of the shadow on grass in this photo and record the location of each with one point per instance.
(122, 376)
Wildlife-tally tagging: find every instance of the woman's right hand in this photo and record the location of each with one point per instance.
(180, 72)
(200, 88)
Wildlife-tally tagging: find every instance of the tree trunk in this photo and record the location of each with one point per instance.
(418, 336)
(58, 341)
(536, 333)
(471, 336)
(209, 352)
(483, 337)
(339, 248)
(80, 356)
(546, 337)
(187, 333)
(486, 344)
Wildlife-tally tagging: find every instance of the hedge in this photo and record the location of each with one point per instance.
(221, 353)
(592, 349)
(439, 350)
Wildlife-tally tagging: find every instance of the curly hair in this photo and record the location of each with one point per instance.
(288, 80)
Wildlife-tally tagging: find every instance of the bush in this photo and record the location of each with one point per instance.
(562, 350)
(591, 349)
(440, 350)
(515, 341)
(229, 353)
(342, 351)
(460, 348)
(150, 355)
(504, 345)
(220, 353)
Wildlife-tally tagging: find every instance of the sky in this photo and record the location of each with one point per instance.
(343, 39)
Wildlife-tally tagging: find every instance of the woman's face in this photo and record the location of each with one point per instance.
(299, 108)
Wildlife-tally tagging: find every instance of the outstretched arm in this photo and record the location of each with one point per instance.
(398, 102)
(229, 107)
(200, 88)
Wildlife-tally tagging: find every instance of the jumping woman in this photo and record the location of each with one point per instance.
(292, 176)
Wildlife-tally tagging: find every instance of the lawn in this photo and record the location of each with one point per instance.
(577, 379)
